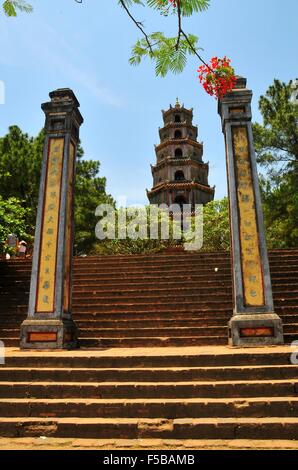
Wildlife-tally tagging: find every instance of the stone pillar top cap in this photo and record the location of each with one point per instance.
(64, 94)
(241, 82)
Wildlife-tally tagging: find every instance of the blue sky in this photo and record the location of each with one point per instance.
(86, 47)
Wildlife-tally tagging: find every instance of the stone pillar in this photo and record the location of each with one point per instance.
(253, 322)
(49, 324)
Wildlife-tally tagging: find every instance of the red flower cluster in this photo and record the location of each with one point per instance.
(217, 78)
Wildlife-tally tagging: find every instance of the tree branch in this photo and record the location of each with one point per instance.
(138, 25)
(179, 24)
(194, 50)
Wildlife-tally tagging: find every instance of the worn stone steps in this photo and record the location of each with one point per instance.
(19, 312)
(158, 267)
(180, 292)
(173, 357)
(170, 393)
(148, 342)
(116, 260)
(22, 391)
(144, 407)
(191, 292)
(137, 342)
(139, 332)
(87, 375)
(198, 329)
(133, 428)
(160, 304)
(289, 315)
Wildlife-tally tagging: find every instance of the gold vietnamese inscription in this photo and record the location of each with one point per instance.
(252, 272)
(45, 302)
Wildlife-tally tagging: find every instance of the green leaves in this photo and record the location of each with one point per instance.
(20, 167)
(10, 7)
(216, 226)
(188, 7)
(277, 139)
(276, 145)
(13, 219)
(167, 53)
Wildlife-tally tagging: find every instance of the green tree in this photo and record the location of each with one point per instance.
(90, 191)
(280, 205)
(276, 140)
(216, 226)
(13, 219)
(276, 144)
(20, 168)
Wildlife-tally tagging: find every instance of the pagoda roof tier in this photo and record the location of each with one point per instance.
(180, 162)
(171, 125)
(176, 109)
(169, 142)
(167, 185)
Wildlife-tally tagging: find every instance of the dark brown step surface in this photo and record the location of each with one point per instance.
(175, 393)
(161, 428)
(148, 374)
(145, 407)
(140, 390)
(116, 299)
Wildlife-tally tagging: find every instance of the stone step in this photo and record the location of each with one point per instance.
(149, 374)
(130, 337)
(286, 312)
(135, 320)
(14, 318)
(217, 295)
(216, 278)
(138, 332)
(136, 282)
(99, 343)
(150, 408)
(136, 428)
(139, 358)
(149, 342)
(189, 268)
(138, 342)
(138, 305)
(153, 258)
(149, 311)
(289, 322)
(282, 252)
(99, 323)
(272, 390)
(160, 332)
(118, 292)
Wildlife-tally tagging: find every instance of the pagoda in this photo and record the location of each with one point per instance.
(179, 176)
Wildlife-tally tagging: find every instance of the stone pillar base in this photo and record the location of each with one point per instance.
(49, 334)
(255, 330)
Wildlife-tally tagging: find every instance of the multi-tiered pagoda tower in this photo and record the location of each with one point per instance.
(180, 176)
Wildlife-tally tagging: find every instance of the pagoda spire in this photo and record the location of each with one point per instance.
(179, 176)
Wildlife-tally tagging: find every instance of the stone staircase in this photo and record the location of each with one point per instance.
(150, 393)
(174, 299)
(196, 388)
